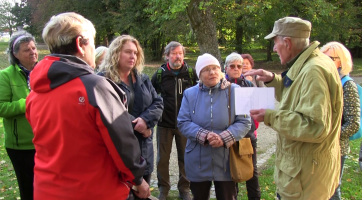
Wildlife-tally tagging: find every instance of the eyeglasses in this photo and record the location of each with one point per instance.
(210, 68)
(334, 58)
(232, 66)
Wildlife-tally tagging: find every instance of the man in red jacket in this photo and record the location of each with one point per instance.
(83, 135)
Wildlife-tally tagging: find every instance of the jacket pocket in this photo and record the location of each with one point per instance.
(288, 180)
(190, 146)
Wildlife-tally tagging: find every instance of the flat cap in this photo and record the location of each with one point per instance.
(292, 27)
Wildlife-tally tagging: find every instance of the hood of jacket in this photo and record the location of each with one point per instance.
(55, 70)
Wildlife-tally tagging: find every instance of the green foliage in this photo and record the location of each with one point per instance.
(8, 184)
(22, 14)
(7, 19)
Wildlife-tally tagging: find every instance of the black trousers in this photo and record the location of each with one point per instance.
(23, 163)
(225, 190)
(252, 185)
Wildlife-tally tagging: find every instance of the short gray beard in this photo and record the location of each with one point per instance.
(175, 65)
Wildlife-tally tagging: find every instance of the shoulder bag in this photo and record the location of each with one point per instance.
(240, 156)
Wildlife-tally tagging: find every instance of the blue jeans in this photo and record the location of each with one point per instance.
(337, 193)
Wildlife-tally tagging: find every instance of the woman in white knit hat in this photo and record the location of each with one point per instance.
(204, 120)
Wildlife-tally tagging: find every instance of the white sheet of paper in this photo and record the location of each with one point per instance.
(250, 98)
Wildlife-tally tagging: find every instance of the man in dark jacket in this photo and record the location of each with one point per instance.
(171, 80)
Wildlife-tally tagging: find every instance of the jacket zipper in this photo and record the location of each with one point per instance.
(16, 132)
(176, 111)
(212, 130)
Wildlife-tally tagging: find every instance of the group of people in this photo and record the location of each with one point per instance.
(72, 133)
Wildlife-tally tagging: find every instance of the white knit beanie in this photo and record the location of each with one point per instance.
(204, 61)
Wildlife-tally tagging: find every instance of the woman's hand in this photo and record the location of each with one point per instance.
(147, 133)
(140, 125)
(215, 140)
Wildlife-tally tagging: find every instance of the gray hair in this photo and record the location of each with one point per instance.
(299, 43)
(171, 46)
(14, 45)
(232, 58)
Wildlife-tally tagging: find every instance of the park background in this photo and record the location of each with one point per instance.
(218, 27)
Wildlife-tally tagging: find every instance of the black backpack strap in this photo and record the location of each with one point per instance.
(159, 80)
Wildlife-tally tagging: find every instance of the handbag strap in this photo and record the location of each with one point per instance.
(131, 94)
(229, 109)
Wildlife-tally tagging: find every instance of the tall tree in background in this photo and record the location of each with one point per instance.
(202, 24)
(7, 19)
(200, 19)
(22, 14)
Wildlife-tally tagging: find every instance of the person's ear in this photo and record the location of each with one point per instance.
(288, 42)
(79, 44)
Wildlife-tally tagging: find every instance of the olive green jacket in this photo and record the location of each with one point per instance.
(308, 123)
(13, 92)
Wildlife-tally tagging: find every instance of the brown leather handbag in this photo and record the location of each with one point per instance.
(240, 156)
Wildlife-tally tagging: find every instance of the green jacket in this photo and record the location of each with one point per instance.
(308, 123)
(13, 93)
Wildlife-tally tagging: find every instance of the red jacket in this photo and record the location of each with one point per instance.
(83, 136)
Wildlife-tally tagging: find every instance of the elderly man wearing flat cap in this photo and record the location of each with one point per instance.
(308, 120)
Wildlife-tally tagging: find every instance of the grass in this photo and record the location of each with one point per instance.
(8, 184)
(352, 179)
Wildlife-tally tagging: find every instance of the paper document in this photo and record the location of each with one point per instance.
(250, 98)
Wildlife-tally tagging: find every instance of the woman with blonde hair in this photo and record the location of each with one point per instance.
(351, 103)
(85, 147)
(124, 64)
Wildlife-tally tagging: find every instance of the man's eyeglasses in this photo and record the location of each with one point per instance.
(232, 66)
(334, 58)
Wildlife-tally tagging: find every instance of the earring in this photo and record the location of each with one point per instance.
(83, 54)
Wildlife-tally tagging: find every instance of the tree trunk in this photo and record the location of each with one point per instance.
(204, 28)
(239, 35)
(156, 47)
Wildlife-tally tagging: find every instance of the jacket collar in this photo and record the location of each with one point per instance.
(222, 85)
(167, 68)
(299, 63)
(55, 70)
